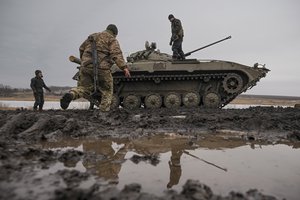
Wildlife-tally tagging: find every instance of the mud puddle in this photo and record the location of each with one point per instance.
(160, 163)
(223, 153)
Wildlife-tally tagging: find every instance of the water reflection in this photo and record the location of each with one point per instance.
(175, 166)
(164, 162)
(114, 153)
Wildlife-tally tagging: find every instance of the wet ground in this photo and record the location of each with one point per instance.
(167, 154)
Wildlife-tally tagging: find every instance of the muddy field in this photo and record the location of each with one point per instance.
(22, 134)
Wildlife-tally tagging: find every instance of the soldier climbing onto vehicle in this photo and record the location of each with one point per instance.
(176, 38)
(37, 84)
(108, 52)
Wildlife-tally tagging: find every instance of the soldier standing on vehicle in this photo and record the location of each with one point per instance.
(176, 38)
(37, 84)
(108, 53)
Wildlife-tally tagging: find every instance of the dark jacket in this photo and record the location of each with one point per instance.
(177, 30)
(37, 85)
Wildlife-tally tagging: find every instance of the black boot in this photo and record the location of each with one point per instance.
(66, 100)
(182, 57)
(91, 106)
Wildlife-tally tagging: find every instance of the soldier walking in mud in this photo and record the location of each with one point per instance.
(108, 53)
(176, 38)
(37, 84)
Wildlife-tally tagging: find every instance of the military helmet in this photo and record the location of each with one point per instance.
(113, 28)
(37, 72)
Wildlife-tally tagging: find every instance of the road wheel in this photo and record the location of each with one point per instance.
(172, 100)
(153, 101)
(191, 99)
(211, 100)
(132, 102)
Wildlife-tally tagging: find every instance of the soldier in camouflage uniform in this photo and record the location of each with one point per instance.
(176, 38)
(37, 84)
(109, 52)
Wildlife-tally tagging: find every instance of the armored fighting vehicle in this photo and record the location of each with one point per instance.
(158, 81)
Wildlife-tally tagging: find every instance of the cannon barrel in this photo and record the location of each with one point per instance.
(75, 60)
(189, 53)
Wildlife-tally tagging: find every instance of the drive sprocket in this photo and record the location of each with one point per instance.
(232, 83)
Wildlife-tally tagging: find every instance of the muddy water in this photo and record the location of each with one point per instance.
(164, 162)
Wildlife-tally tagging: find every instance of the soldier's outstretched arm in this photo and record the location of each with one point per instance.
(117, 54)
(117, 57)
(46, 87)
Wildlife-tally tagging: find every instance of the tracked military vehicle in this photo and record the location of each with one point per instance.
(159, 81)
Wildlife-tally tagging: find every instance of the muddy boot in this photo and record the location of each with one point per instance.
(91, 106)
(66, 100)
(174, 57)
(182, 57)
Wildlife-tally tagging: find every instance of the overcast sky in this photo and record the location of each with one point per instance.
(42, 34)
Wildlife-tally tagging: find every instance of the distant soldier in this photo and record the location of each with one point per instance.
(176, 38)
(37, 84)
(108, 53)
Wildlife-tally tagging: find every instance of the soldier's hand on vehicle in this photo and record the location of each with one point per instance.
(126, 72)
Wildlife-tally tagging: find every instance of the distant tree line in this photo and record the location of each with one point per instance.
(8, 91)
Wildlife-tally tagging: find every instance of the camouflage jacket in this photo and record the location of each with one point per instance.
(177, 30)
(108, 49)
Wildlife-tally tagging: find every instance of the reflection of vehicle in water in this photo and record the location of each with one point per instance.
(178, 146)
(109, 154)
(158, 81)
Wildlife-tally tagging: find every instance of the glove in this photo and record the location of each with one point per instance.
(49, 90)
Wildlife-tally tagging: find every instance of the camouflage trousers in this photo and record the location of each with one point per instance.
(85, 86)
